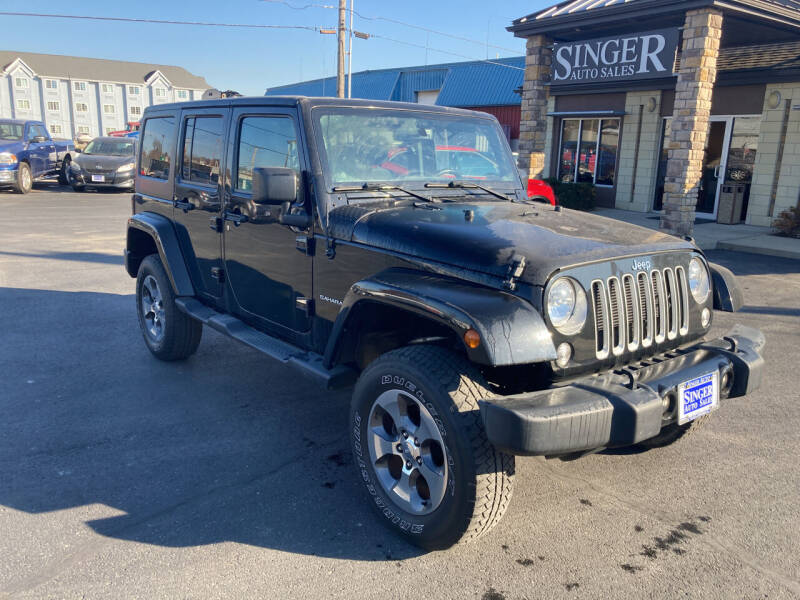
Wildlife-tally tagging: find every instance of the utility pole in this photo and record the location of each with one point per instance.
(350, 55)
(341, 30)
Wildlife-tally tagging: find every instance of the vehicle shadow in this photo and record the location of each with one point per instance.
(226, 446)
(96, 257)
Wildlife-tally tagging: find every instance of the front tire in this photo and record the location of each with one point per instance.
(63, 175)
(420, 448)
(168, 333)
(24, 182)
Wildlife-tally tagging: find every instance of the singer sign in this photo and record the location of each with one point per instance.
(646, 55)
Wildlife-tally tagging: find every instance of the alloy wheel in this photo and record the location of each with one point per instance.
(152, 306)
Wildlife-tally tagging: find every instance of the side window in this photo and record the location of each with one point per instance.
(157, 147)
(37, 130)
(202, 150)
(265, 142)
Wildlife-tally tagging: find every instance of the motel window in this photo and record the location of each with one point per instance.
(79, 86)
(160, 92)
(109, 130)
(51, 84)
(53, 105)
(109, 109)
(588, 151)
(23, 104)
(133, 90)
(182, 94)
(81, 107)
(21, 82)
(55, 129)
(108, 88)
(135, 111)
(83, 129)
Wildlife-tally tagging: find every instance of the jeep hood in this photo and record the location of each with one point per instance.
(496, 234)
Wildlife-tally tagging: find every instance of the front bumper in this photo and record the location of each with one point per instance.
(622, 407)
(112, 180)
(8, 176)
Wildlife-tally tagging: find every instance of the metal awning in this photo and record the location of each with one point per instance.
(588, 113)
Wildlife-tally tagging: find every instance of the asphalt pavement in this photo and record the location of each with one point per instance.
(227, 475)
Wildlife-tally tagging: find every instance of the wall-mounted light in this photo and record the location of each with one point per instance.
(651, 104)
(774, 99)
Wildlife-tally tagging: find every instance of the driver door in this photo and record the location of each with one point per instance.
(268, 269)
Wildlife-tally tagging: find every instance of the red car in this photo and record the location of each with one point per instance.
(541, 189)
(132, 126)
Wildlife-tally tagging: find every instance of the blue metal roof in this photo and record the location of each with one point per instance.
(474, 83)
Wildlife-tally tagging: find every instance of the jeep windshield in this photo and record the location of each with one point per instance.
(409, 148)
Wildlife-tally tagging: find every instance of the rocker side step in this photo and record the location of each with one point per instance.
(338, 377)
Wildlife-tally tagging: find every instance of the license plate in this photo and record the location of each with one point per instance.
(98, 178)
(698, 397)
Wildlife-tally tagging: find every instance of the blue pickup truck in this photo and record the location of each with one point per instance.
(28, 154)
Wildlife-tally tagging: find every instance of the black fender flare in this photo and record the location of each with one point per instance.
(728, 295)
(160, 229)
(512, 331)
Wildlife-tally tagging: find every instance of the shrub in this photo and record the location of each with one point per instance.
(788, 222)
(580, 196)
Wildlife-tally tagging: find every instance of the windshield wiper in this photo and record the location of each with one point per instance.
(382, 187)
(467, 186)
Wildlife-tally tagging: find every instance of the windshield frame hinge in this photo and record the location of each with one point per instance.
(515, 270)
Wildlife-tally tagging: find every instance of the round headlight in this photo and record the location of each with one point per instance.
(699, 284)
(566, 306)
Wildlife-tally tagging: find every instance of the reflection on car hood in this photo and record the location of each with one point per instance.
(102, 161)
(497, 234)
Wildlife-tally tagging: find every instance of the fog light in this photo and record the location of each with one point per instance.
(705, 317)
(472, 338)
(563, 354)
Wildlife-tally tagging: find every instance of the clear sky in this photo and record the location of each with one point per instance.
(249, 60)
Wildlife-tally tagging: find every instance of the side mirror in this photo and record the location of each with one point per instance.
(38, 139)
(274, 185)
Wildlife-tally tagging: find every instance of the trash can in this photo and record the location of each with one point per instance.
(729, 210)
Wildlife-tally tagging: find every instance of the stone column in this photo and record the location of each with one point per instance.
(533, 121)
(701, 36)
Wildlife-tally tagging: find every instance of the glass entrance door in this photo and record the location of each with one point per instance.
(714, 159)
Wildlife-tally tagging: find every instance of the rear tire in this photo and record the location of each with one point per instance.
(24, 182)
(77, 188)
(168, 333)
(434, 395)
(674, 432)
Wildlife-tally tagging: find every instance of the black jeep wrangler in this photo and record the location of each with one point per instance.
(393, 246)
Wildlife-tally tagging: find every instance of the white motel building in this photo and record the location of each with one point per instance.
(75, 95)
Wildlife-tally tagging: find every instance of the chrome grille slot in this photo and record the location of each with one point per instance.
(638, 310)
(646, 300)
(632, 309)
(616, 304)
(601, 320)
(659, 306)
(683, 288)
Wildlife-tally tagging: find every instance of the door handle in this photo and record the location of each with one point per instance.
(235, 218)
(716, 172)
(184, 205)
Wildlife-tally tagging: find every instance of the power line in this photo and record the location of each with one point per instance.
(396, 22)
(158, 21)
(429, 48)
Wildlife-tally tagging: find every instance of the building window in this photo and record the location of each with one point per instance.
(54, 106)
(23, 104)
(21, 82)
(160, 92)
(109, 130)
(83, 129)
(51, 84)
(81, 107)
(156, 147)
(109, 109)
(202, 150)
(182, 95)
(108, 88)
(55, 128)
(134, 90)
(136, 111)
(79, 86)
(588, 152)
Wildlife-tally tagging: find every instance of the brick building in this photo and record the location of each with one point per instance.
(75, 95)
(690, 108)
